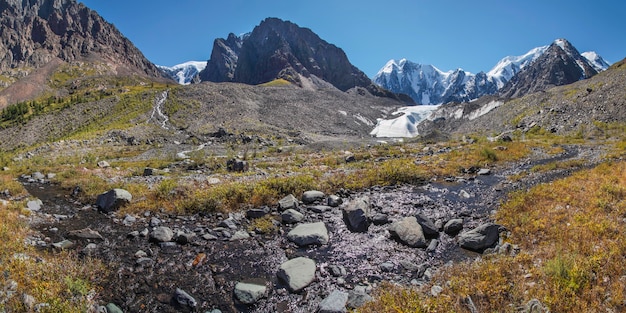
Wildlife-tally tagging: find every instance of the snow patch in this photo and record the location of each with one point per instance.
(363, 119)
(484, 110)
(406, 124)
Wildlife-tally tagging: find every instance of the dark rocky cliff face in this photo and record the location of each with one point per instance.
(33, 32)
(559, 65)
(281, 49)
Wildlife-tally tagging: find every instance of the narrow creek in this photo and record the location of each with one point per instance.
(208, 267)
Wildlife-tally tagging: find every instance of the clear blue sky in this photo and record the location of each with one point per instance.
(449, 34)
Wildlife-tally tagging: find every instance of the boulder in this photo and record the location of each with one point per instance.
(297, 273)
(311, 196)
(240, 235)
(237, 165)
(453, 226)
(291, 216)
(104, 164)
(409, 232)
(357, 299)
(309, 234)
(249, 293)
(334, 201)
(112, 308)
(257, 213)
(162, 234)
(334, 303)
(480, 238)
(428, 227)
(288, 202)
(484, 171)
(113, 200)
(356, 214)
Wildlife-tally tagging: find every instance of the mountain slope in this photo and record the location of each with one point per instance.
(278, 49)
(583, 106)
(428, 85)
(37, 36)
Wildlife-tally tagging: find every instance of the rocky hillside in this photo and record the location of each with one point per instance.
(585, 107)
(278, 49)
(37, 36)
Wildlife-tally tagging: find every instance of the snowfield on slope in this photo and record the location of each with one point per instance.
(405, 125)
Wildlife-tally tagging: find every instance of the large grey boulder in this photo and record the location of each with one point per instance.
(480, 238)
(334, 303)
(113, 200)
(34, 205)
(297, 273)
(409, 232)
(356, 214)
(249, 293)
(428, 227)
(309, 197)
(309, 234)
(358, 298)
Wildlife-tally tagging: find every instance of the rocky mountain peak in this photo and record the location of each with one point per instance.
(33, 32)
(560, 64)
(278, 49)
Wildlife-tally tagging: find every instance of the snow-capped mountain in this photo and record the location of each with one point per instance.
(184, 73)
(426, 84)
(598, 63)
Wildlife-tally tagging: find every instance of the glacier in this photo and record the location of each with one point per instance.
(405, 125)
(184, 73)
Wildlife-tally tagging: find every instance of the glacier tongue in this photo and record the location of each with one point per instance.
(185, 72)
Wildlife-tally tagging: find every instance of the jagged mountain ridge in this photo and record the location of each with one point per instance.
(560, 64)
(428, 85)
(278, 49)
(33, 32)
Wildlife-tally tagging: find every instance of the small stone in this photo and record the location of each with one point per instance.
(86, 233)
(387, 267)
(112, 308)
(148, 171)
(140, 254)
(464, 194)
(453, 226)
(162, 234)
(334, 201)
(154, 221)
(209, 237)
(185, 238)
(409, 232)
(380, 219)
(113, 200)
(428, 227)
(104, 164)
(34, 205)
(144, 232)
(145, 261)
(318, 208)
(337, 270)
(229, 223)
(433, 245)
(38, 176)
(170, 247)
(334, 303)
(357, 299)
(184, 299)
(436, 290)
(291, 216)
(257, 213)
(240, 235)
(249, 293)
(484, 172)
(288, 202)
(63, 245)
(129, 220)
(311, 196)
(356, 214)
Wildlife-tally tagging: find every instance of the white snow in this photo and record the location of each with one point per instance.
(484, 110)
(406, 124)
(560, 43)
(598, 63)
(511, 65)
(184, 72)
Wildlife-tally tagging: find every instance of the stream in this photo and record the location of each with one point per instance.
(144, 275)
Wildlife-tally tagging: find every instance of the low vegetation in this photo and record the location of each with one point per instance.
(572, 238)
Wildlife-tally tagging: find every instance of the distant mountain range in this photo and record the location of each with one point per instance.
(426, 84)
(184, 73)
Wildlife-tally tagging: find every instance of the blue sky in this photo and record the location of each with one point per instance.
(473, 35)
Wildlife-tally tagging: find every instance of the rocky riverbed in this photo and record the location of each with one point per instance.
(329, 253)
